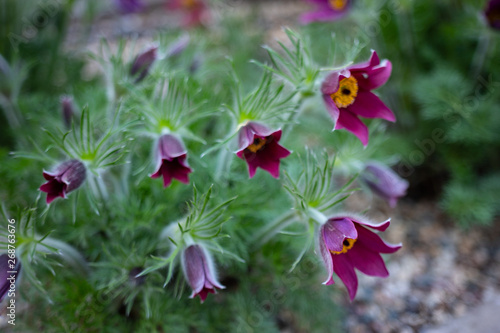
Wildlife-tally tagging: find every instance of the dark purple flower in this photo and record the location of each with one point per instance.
(171, 160)
(384, 182)
(67, 109)
(130, 6)
(199, 271)
(492, 13)
(67, 177)
(259, 147)
(8, 280)
(326, 10)
(143, 63)
(345, 243)
(347, 95)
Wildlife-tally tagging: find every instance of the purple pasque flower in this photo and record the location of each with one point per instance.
(199, 271)
(383, 181)
(346, 243)
(143, 62)
(68, 176)
(8, 280)
(259, 147)
(171, 160)
(326, 10)
(347, 95)
(492, 13)
(130, 6)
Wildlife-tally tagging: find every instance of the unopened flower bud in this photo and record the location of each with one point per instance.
(67, 110)
(7, 279)
(68, 176)
(143, 62)
(384, 182)
(199, 271)
(171, 160)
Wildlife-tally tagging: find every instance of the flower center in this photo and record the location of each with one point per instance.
(258, 144)
(346, 95)
(337, 4)
(348, 243)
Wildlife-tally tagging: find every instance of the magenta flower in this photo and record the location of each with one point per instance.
(326, 10)
(347, 95)
(259, 147)
(8, 280)
(383, 181)
(345, 243)
(492, 13)
(143, 63)
(67, 177)
(199, 271)
(171, 160)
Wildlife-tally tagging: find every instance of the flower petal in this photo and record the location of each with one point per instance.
(327, 259)
(334, 231)
(247, 134)
(345, 270)
(373, 242)
(380, 227)
(192, 264)
(170, 147)
(332, 108)
(353, 124)
(376, 76)
(367, 261)
(368, 105)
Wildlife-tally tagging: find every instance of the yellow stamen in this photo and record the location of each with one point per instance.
(348, 243)
(346, 95)
(257, 145)
(337, 4)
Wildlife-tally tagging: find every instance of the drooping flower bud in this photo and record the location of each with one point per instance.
(67, 110)
(492, 14)
(384, 182)
(143, 62)
(199, 271)
(8, 280)
(259, 147)
(346, 243)
(171, 160)
(68, 176)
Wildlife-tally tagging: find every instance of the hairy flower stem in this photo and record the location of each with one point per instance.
(295, 114)
(482, 48)
(67, 252)
(317, 216)
(269, 230)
